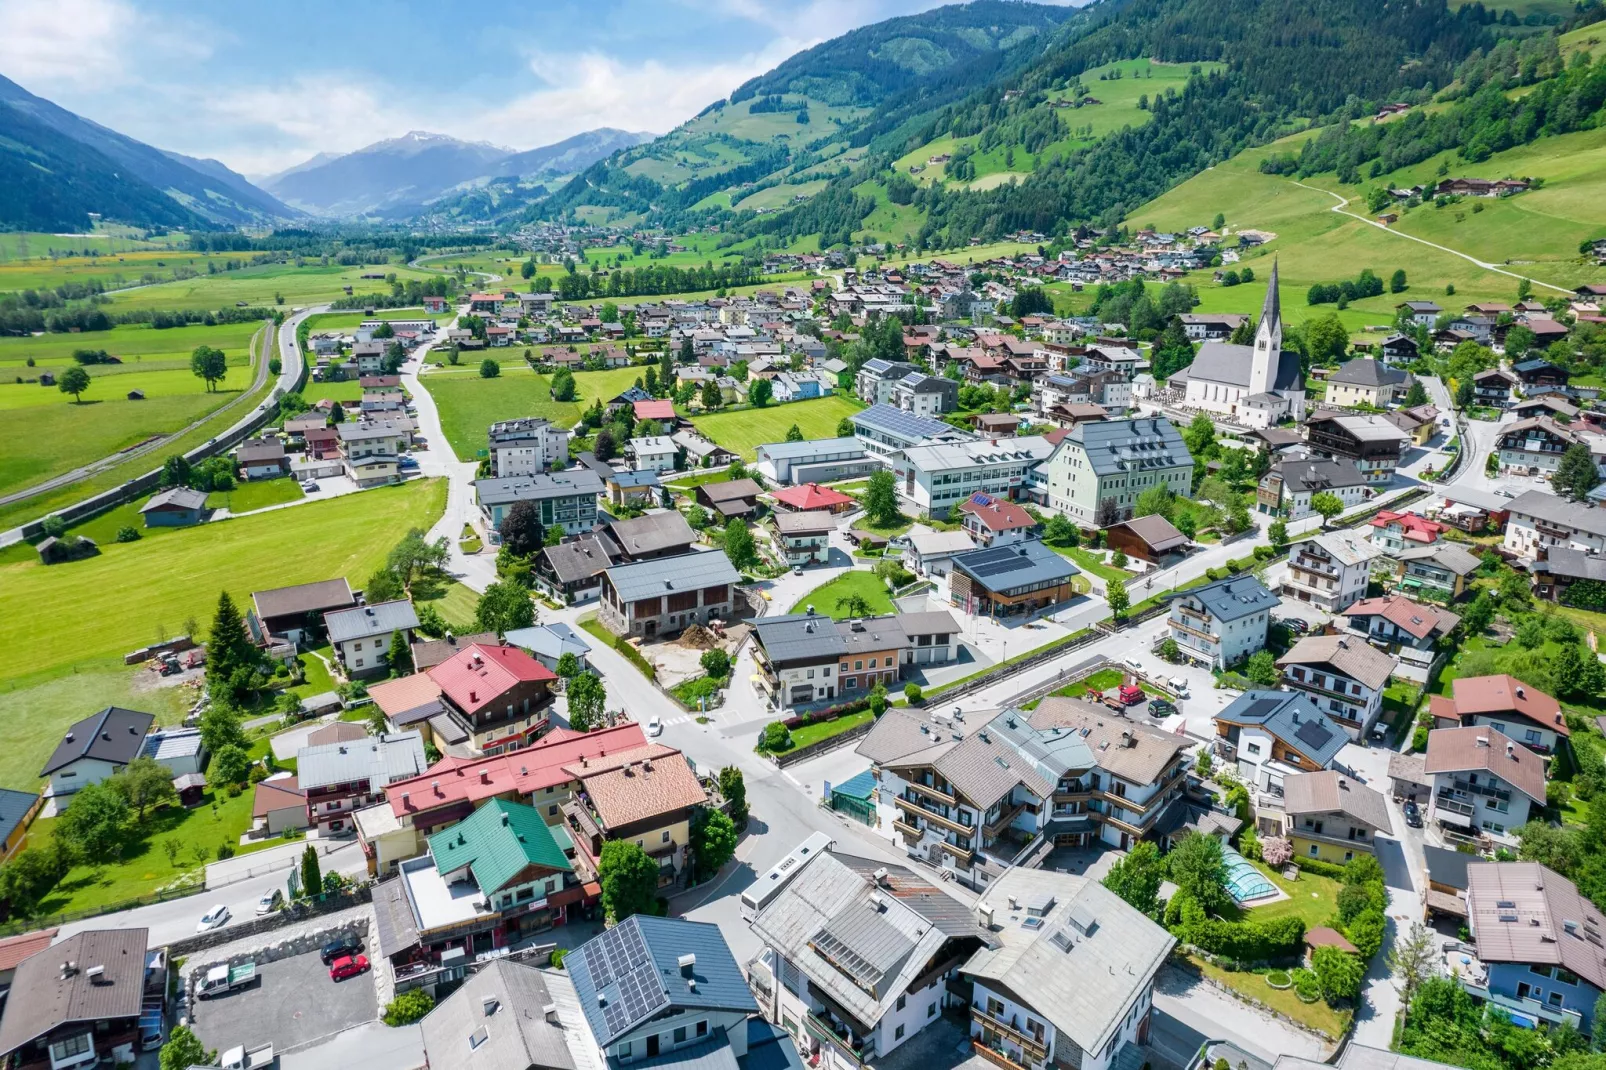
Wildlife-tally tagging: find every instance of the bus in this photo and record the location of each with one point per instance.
(763, 891)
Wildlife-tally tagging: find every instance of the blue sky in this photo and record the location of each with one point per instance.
(264, 86)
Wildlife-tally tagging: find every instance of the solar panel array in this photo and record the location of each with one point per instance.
(1315, 733)
(1261, 707)
(621, 957)
(994, 561)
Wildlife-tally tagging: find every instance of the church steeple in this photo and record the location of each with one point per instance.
(1268, 340)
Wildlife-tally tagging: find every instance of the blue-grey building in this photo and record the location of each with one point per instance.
(567, 499)
(173, 508)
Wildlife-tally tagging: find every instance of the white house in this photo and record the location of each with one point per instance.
(1330, 569)
(1222, 623)
(1539, 520)
(1343, 675)
(655, 453)
(938, 477)
(1483, 782)
(526, 446)
(92, 750)
(361, 636)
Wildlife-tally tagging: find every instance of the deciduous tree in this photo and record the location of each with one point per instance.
(588, 698)
(1137, 877)
(739, 546)
(504, 607)
(521, 529)
(713, 840)
(1115, 594)
(209, 364)
(881, 500)
(73, 381)
(1327, 504)
(733, 786)
(145, 785)
(629, 880)
(94, 827)
(230, 765)
(760, 393)
(1198, 869)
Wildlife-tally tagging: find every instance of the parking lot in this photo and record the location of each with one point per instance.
(293, 1003)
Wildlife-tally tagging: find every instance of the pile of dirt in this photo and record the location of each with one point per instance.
(698, 638)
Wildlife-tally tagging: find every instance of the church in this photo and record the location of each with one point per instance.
(1254, 386)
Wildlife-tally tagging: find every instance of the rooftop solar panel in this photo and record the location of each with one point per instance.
(1314, 733)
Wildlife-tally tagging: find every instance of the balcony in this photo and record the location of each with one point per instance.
(1181, 626)
(1034, 1048)
(935, 793)
(1466, 788)
(1448, 805)
(915, 807)
(855, 1050)
(997, 1058)
(998, 823)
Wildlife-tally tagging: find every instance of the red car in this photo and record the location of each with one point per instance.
(349, 966)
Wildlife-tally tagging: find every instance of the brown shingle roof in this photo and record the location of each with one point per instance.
(1413, 617)
(336, 732)
(1330, 792)
(1504, 694)
(274, 795)
(428, 653)
(729, 490)
(316, 597)
(639, 784)
(1353, 657)
(42, 999)
(405, 693)
(1455, 750)
(1157, 531)
(1524, 913)
(1150, 752)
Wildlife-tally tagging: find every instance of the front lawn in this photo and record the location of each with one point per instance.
(863, 524)
(1091, 561)
(146, 867)
(1252, 985)
(255, 495)
(814, 733)
(744, 430)
(866, 584)
(1312, 898)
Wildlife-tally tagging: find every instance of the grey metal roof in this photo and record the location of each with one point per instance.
(1366, 372)
(1574, 564)
(549, 640)
(860, 941)
(584, 557)
(533, 488)
(715, 1053)
(667, 575)
(1083, 964)
(359, 622)
(652, 533)
(1006, 568)
(42, 999)
(14, 806)
(1224, 362)
(1292, 717)
(825, 447)
(1114, 446)
(176, 498)
(800, 637)
(643, 477)
(895, 421)
(1233, 598)
(1319, 475)
(1447, 556)
(113, 735)
(505, 1000)
(632, 972)
(377, 759)
(171, 743)
(1544, 505)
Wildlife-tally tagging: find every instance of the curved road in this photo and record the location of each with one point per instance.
(1343, 203)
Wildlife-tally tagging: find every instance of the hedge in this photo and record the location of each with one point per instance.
(1321, 868)
(622, 644)
(830, 713)
(1245, 941)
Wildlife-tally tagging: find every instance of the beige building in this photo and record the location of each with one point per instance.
(1332, 817)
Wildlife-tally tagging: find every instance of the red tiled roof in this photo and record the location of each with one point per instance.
(655, 410)
(279, 794)
(996, 515)
(1413, 617)
(16, 948)
(451, 781)
(1507, 694)
(1416, 528)
(480, 674)
(811, 496)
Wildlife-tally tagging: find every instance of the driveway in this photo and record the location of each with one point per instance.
(293, 1004)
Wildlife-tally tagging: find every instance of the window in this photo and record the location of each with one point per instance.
(810, 675)
(1555, 999)
(902, 1001)
(897, 1034)
(872, 663)
(702, 1028)
(624, 1050)
(526, 894)
(552, 811)
(680, 1034)
(931, 1010)
(857, 665)
(664, 836)
(995, 1007)
(1314, 850)
(66, 1049)
(1254, 749)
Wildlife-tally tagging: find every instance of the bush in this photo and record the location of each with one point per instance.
(1276, 851)
(1306, 987)
(623, 645)
(1320, 868)
(225, 850)
(1366, 933)
(128, 533)
(716, 662)
(912, 693)
(777, 737)
(408, 1007)
(556, 959)
(1244, 940)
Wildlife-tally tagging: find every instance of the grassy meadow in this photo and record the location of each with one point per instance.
(743, 430)
(263, 286)
(469, 404)
(60, 665)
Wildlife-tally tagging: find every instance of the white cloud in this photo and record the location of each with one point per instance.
(65, 42)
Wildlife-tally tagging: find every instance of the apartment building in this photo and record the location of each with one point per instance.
(1484, 783)
(1288, 487)
(1100, 469)
(339, 778)
(806, 658)
(1372, 443)
(1330, 569)
(652, 598)
(526, 446)
(567, 500)
(1506, 704)
(884, 429)
(1343, 676)
(1333, 817)
(937, 478)
(1222, 623)
(1539, 521)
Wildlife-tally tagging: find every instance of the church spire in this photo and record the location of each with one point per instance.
(1271, 313)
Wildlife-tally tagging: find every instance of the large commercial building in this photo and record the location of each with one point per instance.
(1100, 469)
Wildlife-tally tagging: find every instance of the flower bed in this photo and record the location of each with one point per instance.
(1279, 979)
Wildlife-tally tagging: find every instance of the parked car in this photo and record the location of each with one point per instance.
(1295, 624)
(1179, 686)
(1131, 694)
(349, 966)
(797, 570)
(309, 485)
(270, 901)
(1159, 707)
(1131, 661)
(1413, 814)
(340, 947)
(215, 918)
(407, 462)
(655, 727)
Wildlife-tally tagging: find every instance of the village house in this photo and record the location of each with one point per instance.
(931, 553)
(82, 1002)
(1003, 581)
(261, 458)
(372, 452)
(93, 749)
(362, 635)
(526, 446)
(653, 598)
(567, 500)
(1393, 533)
(654, 453)
(924, 395)
(1329, 569)
(1272, 735)
(1222, 623)
(1483, 782)
(991, 521)
(1506, 704)
(341, 777)
(1099, 470)
(1287, 488)
(1540, 522)
(653, 535)
(1343, 676)
(1493, 388)
(175, 507)
(1372, 443)
(803, 538)
(1333, 817)
(572, 571)
(1444, 568)
(1534, 446)
(731, 499)
(1366, 382)
(1409, 630)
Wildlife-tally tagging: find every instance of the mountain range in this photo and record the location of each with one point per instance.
(398, 177)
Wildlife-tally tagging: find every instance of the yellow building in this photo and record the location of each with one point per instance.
(1332, 817)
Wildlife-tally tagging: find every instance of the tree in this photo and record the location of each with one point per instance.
(629, 880)
(563, 386)
(504, 607)
(1463, 393)
(311, 872)
(527, 271)
(1198, 870)
(145, 785)
(739, 545)
(413, 559)
(844, 428)
(1397, 281)
(415, 1003)
(1416, 395)
(220, 727)
(716, 662)
(650, 380)
(489, 369)
(733, 786)
(1479, 614)
(588, 697)
(521, 529)
(568, 666)
(1413, 959)
(1199, 435)
(604, 446)
(1115, 594)
(184, 1050)
(713, 841)
(712, 398)
(1169, 651)
(73, 381)
(1277, 533)
(400, 655)
(1060, 531)
(94, 826)
(1262, 668)
(1155, 501)
(881, 500)
(1519, 340)
(1338, 972)
(794, 434)
(760, 393)
(1576, 474)
(209, 364)
(31, 875)
(1328, 504)
(1326, 339)
(1136, 878)
(854, 605)
(230, 765)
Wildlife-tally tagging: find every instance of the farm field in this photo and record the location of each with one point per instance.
(350, 321)
(261, 286)
(468, 404)
(64, 664)
(45, 433)
(138, 346)
(745, 429)
(111, 270)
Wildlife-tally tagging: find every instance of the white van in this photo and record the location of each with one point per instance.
(1178, 686)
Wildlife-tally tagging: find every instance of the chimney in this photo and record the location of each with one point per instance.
(1483, 741)
(404, 798)
(435, 786)
(550, 1013)
(687, 962)
(473, 696)
(1520, 693)
(1511, 750)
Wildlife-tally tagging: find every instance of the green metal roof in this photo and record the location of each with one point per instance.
(861, 786)
(497, 841)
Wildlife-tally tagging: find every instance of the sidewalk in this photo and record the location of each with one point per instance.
(272, 859)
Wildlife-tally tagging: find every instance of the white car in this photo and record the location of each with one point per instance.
(269, 902)
(1131, 661)
(215, 918)
(1179, 686)
(655, 727)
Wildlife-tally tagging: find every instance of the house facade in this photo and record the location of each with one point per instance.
(1343, 676)
(1330, 569)
(1484, 783)
(1287, 489)
(1539, 521)
(1221, 623)
(1333, 817)
(566, 499)
(1272, 735)
(650, 598)
(526, 446)
(1099, 470)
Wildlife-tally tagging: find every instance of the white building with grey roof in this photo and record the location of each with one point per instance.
(652, 598)
(1254, 385)
(1540, 520)
(1068, 976)
(1101, 468)
(936, 478)
(361, 636)
(884, 429)
(1222, 623)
